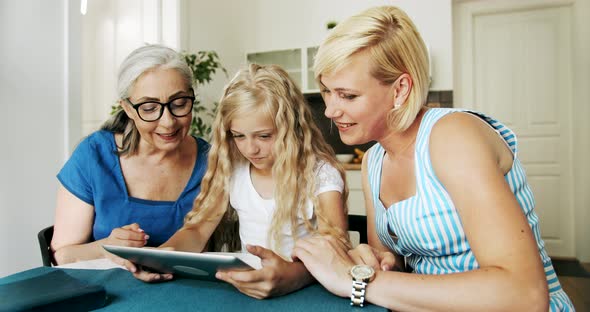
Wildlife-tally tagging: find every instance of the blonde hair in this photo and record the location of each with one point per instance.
(298, 150)
(394, 47)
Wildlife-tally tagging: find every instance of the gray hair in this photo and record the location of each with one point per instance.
(138, 62)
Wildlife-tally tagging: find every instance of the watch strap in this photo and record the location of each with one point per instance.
(357, 298)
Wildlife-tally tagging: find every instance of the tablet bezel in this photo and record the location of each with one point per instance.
(181, 263)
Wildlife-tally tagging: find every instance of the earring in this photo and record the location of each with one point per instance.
(396, 105)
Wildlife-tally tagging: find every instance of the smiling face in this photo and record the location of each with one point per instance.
(357, 102)
(254, 135)
(160, 85)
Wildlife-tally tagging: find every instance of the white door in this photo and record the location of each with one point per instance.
(515, 65)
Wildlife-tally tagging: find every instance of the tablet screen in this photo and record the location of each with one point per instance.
(187, 264)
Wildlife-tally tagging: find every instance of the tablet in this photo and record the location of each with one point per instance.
(187, 264)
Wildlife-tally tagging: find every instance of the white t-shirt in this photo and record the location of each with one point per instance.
(255, 213)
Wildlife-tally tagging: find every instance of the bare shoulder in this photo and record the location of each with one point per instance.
(458, 125)
(459, 131)
(463, 139)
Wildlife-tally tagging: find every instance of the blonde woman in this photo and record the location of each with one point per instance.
(270, 168)
(443, 187)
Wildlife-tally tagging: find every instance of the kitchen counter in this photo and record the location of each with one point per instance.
(352, 166)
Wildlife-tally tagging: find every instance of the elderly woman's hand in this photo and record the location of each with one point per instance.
(146, 275)
(130, 235)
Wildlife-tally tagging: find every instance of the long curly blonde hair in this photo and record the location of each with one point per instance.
(298, 150)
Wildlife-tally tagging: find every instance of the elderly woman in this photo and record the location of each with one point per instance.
(132, 182)
(443, 188)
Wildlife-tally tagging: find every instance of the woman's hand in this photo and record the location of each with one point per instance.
(277, 276)
(327, 259)
(130, 235)
(379, 260)
(150, 277)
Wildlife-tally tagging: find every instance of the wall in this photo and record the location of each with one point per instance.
(258, 25)
(111, 30)
(291, 24)
(35, 78)
(209, 25)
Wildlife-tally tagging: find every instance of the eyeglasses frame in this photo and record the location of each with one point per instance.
(163, 105)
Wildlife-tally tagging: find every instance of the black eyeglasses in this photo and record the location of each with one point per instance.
(152, 110)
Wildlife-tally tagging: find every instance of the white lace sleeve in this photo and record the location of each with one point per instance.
(328, 179)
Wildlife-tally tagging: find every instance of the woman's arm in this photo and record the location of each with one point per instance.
(467, 157)
(74, 220)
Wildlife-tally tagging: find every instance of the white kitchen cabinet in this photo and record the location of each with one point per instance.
(311, 84)
(298, 63)
(356, 200)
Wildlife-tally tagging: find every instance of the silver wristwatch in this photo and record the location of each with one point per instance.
(361, 276)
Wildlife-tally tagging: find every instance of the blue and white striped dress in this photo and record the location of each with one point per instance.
(428, 229)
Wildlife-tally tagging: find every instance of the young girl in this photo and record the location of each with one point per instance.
(270, 168)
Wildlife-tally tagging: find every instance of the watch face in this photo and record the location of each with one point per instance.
(362, 272)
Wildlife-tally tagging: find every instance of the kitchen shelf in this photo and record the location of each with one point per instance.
(297, 62)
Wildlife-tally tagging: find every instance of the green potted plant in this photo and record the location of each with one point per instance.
(331, 24)
(203, 64)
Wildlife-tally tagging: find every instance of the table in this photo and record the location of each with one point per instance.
(125, 293)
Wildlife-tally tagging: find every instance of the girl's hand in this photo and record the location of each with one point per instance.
(379, 260)
(327, 259)
(277, 276)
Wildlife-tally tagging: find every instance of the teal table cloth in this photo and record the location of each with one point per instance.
(125, 293)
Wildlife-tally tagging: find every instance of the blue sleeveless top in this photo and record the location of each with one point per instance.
(93, 174)
(428, 228)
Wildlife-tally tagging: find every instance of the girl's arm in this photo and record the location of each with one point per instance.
(278, 276)
(74, 220)
(192, 237)
(332, 207)
(468, 158)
